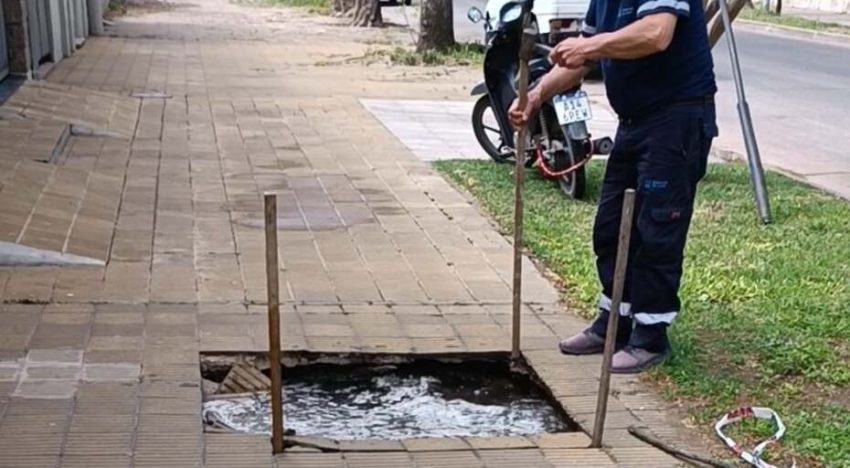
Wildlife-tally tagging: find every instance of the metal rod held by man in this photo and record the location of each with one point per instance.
(272, 286)
(753, 157)
(617, 298)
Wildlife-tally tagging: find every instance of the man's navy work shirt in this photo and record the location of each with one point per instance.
(681, 73)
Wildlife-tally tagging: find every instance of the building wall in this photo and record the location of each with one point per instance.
(66, 24)
(14, 13)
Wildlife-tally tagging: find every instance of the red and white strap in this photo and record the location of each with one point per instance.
(752, 457)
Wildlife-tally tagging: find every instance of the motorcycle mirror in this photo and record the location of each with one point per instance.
(474, 15)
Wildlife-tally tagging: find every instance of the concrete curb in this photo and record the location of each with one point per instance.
(726, 155)
(730, 156)
(799, 33)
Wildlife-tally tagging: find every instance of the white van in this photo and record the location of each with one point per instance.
(559, 19)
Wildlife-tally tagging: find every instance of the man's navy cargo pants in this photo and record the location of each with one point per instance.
(662, 155)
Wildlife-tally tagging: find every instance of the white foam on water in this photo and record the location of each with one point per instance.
(387, 407)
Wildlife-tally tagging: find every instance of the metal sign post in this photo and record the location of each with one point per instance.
(272, 287)
(611, 332)
(753, 157)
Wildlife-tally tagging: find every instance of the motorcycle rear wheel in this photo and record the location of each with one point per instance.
(487, 131)
(573, 184)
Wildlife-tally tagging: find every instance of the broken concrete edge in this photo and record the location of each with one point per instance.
(150, 95)
(85, 131)
(10, 114)
(17, 255)
(61, 146)
(212, 361)
(70, 130)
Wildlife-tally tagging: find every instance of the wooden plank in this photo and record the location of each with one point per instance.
(243, 378)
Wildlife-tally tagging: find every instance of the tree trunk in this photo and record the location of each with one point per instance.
(342, 7)
(367, 13)
(437, 25)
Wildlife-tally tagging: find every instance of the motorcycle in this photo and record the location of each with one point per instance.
(560, 144)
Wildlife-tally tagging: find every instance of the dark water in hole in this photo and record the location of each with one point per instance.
(399, 401)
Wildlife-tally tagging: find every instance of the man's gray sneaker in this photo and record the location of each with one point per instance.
(631, 360)
(585, 342)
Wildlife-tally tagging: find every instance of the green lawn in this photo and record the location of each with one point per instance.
(313, 6)
(461, 54)
(766, 309)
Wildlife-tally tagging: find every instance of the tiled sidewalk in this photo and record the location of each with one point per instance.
(437, 130)
(99, 367)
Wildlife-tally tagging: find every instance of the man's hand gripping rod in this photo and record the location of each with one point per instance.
(526, 51)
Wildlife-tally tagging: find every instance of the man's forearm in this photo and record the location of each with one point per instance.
(644, 37)
(558, 80)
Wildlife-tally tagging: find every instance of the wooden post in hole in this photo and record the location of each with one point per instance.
(519, 176)
(613, 316)
(272, 286)
(529, 36)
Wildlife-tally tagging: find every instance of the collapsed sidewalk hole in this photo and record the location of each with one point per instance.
(389, 397)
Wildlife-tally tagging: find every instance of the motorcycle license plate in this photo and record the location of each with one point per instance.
(572, 108)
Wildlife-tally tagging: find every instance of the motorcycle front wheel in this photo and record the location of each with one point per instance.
(487, 131)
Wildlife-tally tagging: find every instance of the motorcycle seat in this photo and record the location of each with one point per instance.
(539, 67)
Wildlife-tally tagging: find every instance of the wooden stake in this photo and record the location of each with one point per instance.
(519, 175)
(528, 38)
(272, 286)
(613, 316)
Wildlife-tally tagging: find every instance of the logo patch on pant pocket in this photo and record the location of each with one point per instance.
(654, 185)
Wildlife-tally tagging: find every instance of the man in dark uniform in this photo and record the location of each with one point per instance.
(658, 72)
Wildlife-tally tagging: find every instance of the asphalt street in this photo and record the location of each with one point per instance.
(799, 95)
(798, 91)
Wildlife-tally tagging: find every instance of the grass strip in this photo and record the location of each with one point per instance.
(461, 54)
(766, 309)
(322, 7)
(761, 15)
